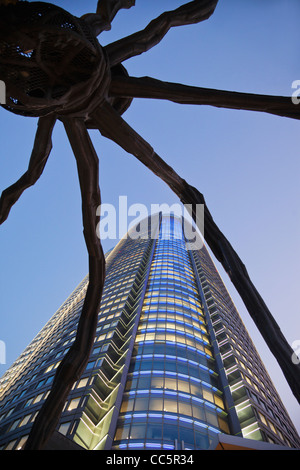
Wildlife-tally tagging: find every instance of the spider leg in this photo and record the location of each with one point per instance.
(142, 41)
(115, 128)
(39, 156)
(74, 362)
(106, 11)
(146, 87)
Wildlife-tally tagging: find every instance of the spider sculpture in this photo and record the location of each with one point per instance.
(55, 69)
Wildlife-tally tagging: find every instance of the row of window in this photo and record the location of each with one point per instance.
(175, 337)
(179, 316)
(195, 329)
(173, 364)
(173, 381)
(164, 428)
(173, 401)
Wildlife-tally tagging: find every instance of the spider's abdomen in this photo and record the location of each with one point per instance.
(49, 60)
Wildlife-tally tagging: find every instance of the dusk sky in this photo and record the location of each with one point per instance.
(245, 163)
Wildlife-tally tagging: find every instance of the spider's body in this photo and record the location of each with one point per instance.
(51, 62)
(54, 68)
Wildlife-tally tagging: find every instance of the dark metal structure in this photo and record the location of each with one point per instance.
(54, 68)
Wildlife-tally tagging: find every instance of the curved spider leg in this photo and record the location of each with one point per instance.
(146, 87)
(115, 128)
(142, 41)
(106, 11)
(39, 156)
(74, 362)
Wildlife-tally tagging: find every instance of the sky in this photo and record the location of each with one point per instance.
(245, 163)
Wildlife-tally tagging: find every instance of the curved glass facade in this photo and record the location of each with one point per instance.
(172, 399)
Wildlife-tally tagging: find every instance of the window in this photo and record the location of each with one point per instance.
(122, 433)
(207, 395)
(185, 408)
(170, 405)
(155, 404)
(10, 445)
(141, 404)
(223, 425)
(25, 420)
(187, 436)
(154, 431)
(211, 418)
(74, 403)
(38, 398)
(82, 383)
(64, 428)
(21, 442)
(198, 413)
(137, 431)
(170, 432)
(15, 424)
(127, 405)
(157, 382)
(90, 365)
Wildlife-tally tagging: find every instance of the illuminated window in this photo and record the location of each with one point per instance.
(38, 398)
(170, 405)
(156, 404)
(127, 405)
(122, 433)
(74, 403)
(82, 383)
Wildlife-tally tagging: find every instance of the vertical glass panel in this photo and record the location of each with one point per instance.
(137, 431)
(170, 432)
(170, 383)
(211, 418)
(170, 405)
(157, 382)
(185, 408)
(74, 403)
(141, 404)
(196, 390)
(207, 395)
(187, 436)
(218, 401)
(122, 432)
(183, 386)
(127, 405)
(154, 431)
(64, 428)
(131, 384)
(144, 383)
(198, 413)
(223, 425)
(156, 404)
(201, 440)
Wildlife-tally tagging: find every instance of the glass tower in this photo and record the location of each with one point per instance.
(172, 365)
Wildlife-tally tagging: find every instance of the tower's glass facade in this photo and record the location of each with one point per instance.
(172, 364)
(172, 395)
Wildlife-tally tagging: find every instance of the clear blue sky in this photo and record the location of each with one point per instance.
(246, 165)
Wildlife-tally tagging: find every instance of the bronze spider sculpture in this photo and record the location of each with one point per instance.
(55, 69)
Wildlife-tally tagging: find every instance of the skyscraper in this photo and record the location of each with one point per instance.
(172, 367)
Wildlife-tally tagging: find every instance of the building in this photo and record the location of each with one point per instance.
(172, 367)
